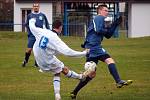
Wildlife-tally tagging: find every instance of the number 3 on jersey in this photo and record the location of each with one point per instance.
(43, 42)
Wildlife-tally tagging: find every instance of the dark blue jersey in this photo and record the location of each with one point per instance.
(41, 22)
(95, 36)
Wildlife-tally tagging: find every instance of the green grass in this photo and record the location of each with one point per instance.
(132, 57)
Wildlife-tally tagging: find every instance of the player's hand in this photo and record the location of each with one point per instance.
(118, 21)
(87, 50)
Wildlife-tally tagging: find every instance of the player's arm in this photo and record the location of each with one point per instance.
(33, 28)
(46, 22)
(99, 27)
(107, 32)
(115, 24)
(113, 27)
(62, 48)
(27, 21)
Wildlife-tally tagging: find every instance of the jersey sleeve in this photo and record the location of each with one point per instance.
(27, 21)
(46, 22)
(62, 48)
(98, 24)
(55, 42)
(99, 27)
(35, 30)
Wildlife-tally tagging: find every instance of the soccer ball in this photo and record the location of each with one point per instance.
(90, 66)
(108, 19)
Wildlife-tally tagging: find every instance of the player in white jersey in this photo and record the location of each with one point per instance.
(47, 45)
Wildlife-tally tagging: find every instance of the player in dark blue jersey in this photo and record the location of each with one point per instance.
(42, 22)
(97, 30)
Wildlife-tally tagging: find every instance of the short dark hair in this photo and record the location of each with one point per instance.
(56, 24)
(101, 7)
(36, 4)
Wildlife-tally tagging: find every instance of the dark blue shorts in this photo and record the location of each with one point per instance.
(95, 59)
(31, 42)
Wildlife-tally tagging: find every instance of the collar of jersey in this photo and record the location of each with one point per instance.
(35, 13)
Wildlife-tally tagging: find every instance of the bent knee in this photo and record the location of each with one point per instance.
(109, 61)
(29, 50)
(65, 70)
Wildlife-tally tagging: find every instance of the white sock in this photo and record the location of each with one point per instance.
(56, 83)
(73, 74)
(57, 97)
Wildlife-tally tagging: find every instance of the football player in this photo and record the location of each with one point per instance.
(97, 30)
(45, 48)
(42, 22)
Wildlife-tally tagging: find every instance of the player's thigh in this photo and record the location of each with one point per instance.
(106, 58)
(57, 66)
(31, 42)
(94, 59)
(103, 57)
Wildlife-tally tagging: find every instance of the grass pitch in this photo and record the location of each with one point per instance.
(132, 58)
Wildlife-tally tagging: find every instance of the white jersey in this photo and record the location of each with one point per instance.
(47, 45)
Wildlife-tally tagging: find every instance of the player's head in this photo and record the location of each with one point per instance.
(57, 26)
(102, 10)
(36, 7)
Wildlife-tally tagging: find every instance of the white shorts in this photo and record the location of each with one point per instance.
(55, 67)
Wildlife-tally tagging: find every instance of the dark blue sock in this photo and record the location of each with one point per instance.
(81, 85)
(27, 55)
(113, 71)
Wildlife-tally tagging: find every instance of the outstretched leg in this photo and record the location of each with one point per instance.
(113, 71)
(81, 84)
(72, 74)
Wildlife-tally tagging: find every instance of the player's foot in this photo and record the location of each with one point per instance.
(40, 70)
(87, 72)
(57, 97)
(72, 95)
(24, 63)
(124, 83)
(36, 65)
